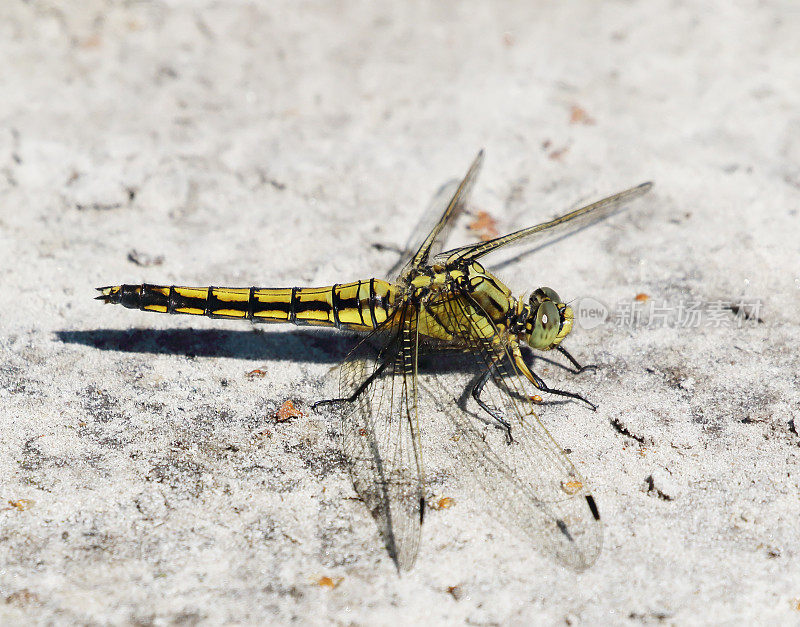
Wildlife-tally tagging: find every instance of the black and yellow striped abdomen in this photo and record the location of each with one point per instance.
(360, 306)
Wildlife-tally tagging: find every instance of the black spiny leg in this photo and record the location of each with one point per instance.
(359, 390)
(574, 362)
(476, 394)
(539, 383)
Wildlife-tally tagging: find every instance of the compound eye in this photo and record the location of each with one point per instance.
(544, 294)
(545, 326)
(547, 316)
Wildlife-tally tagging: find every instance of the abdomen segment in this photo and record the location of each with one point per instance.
(361, 305)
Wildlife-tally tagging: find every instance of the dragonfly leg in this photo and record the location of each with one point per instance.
(358, 391)
(574, 362)
(534, 378)
(476, 394)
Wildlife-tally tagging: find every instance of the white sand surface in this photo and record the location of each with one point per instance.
(143, 478)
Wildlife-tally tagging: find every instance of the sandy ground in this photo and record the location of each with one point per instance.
(143, 478)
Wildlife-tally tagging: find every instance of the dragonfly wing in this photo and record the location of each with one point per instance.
(381, 438)
(455, 204)
(531, 483)
(432, 215)
(547, 232)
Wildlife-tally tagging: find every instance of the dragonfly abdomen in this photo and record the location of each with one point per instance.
(360, 305)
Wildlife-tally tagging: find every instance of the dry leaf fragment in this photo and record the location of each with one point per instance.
(443, 503)
(578, 115)
(21, 504)
(328, 582)
(573, 486)
(287, 411)
(485, 225)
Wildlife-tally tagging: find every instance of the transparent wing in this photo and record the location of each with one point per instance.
(435, 238)
(431, 217)
(552, 230)
(380, 434)
(530, 482)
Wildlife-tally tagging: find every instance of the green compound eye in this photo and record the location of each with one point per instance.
(543, 294)
(545, 326)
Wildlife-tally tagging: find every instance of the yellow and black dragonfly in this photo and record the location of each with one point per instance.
(443, 303)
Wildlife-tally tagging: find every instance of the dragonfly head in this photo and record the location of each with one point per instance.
(549, 321)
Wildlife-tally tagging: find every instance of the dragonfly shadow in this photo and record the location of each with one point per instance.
(319, 345)
(463, 402)
(451, 361)
(324, 346)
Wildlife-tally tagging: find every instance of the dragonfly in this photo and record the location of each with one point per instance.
(439, 303)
